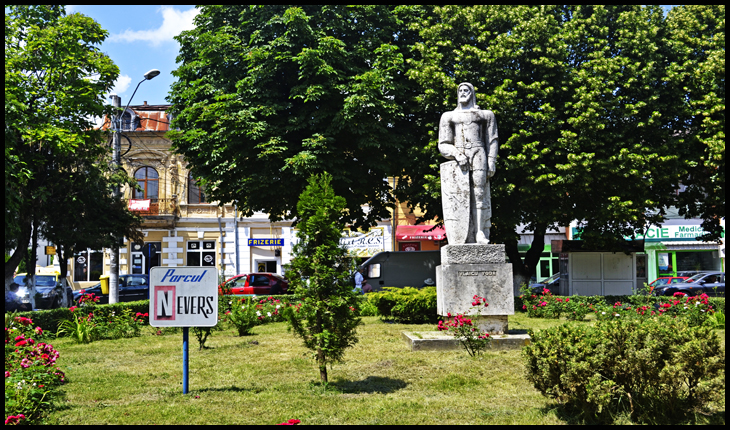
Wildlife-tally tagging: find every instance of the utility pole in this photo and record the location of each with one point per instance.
(116, 164)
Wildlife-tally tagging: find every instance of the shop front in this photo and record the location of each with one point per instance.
(672, 250)
(419, 237)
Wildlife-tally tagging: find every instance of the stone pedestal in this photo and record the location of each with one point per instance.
(473, 269)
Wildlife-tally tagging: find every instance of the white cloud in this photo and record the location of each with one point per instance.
(121, 84)
(173, 22)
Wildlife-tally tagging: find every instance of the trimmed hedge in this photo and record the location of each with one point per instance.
(49, 320)
(406, 305)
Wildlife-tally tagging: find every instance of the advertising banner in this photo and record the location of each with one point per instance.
(364, 244)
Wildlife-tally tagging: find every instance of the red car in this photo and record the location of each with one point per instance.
(666, 280)
(260, 284)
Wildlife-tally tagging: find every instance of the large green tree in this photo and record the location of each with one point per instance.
(586, 113)
(697, 37)
(55, 81)
(266, 96)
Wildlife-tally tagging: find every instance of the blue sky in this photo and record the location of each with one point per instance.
(141, 39)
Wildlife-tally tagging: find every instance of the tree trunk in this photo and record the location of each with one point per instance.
(32, 264)
(62, 255)
(322, 365)
(523, 270)
(12, 264)
(321, 358)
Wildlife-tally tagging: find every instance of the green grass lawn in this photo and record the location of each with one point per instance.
(268, 378)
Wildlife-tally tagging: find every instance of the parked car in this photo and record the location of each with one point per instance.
(255, 283)
(552, 283)
(710, 283)
(131, 288)
(664, 280)
(48, 287)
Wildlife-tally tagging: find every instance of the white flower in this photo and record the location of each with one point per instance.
(268, 313)
(603, 313)
(617, 315)
(685, 307)
(258, 313)
(230, 303)
(278, 306)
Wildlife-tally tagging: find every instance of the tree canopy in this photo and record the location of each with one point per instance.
(603, 111)
(269, 95)
(55, 81)
(697, 37)
(590, 122)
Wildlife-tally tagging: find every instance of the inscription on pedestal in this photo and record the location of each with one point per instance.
(477, 273)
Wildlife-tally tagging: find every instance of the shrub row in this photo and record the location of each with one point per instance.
(405, 305)
(49, 320)
(655, 370)
(718, 303)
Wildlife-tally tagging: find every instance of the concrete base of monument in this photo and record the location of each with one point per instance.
(441, 341)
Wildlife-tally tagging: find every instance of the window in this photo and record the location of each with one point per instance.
(195, 194)
(88, 266)
(149, 181)
(259, 281)
(201, 253)
(130, 122)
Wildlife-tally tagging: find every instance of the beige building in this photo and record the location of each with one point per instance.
(182, 227)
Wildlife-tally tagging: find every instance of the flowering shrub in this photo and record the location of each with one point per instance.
(243, 315)
(271, 309)
(653, 369)
(88, 299)
(470, 337)
(123, 324)
(31, 374)
(291, 422)
(544, 305)
(88, 327)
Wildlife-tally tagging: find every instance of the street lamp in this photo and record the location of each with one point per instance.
(116, 163)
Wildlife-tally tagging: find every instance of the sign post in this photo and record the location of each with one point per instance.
(183, 297)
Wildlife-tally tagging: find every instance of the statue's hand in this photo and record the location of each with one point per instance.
(461, 159)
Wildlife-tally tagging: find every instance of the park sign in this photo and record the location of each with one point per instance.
(183, 297)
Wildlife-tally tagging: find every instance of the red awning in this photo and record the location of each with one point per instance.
(419, 232)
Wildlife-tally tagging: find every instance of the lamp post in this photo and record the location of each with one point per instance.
(116, 163)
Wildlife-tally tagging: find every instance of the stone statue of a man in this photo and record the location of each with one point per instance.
(468, 135)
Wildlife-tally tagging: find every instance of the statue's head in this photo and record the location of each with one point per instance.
(466, 97)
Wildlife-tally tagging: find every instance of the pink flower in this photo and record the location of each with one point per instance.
(14, 419)
(72, 308)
